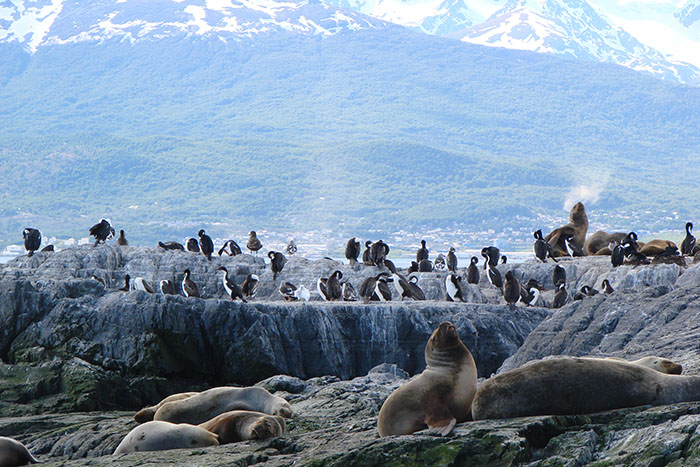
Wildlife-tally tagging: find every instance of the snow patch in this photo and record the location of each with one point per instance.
(199, 14)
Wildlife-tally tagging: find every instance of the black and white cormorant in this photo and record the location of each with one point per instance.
(32, 240)
(232, 289)
(189, 288)
(453, 288)
(561, 296)
(291, 247)
(249, 287)
(543, 250)
(688, 244)
(277, 262)
(558, 275)
(167, 287)
(494, 277)
(491, 256)
(206, 246)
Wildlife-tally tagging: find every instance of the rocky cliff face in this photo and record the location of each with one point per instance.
(70, 345)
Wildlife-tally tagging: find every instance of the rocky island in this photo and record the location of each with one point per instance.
(79, 358)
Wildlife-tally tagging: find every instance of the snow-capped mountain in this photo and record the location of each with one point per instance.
(46, 22)
(658, 37)
(573, 28)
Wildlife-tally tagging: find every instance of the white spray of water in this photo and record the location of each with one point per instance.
(588, 192)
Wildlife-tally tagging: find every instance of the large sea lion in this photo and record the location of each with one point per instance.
(597, 244)
(146, 414)
(13, 453)
(655, 247)
(242, 425)
(577, 226)
(438, 398)
(569, 386)
(159, 436)
(212, 402)
(660, 364)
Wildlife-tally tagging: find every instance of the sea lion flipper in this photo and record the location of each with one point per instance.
(437, 414)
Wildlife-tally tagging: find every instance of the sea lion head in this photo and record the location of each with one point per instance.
(267, 427)
(663, 365)
(285, 411)
(577, 215)
(445, 348)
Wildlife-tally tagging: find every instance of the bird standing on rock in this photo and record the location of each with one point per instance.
(688, 244)
(473, 271)
(352, 251)
(291, 247)
(121, 240)
(422, 253)
(253, 243)
(249, 287)
(101, 231)
(561, 297)
(206, 246)
(277, 262)
(543, 250)
(189, 288)
(452, 260)
(232, 289)
(32, 240)
(491, 256)
(511, 289)
(453, 288)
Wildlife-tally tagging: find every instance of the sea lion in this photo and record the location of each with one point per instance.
(159, 436)
(242, 425)
(577, 226)
(597, 244)
(660, 364)
(656, 247)
(13, 453)
(438, 398)
(212, 402)
(146, 414)
(570, 386)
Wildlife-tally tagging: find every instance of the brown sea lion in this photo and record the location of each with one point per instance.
(570, 386)
(242, 425)
(655, 247)
(577, 226)
(146, 414)
(660, 364)
(159, 436)
(13, 453)
(212, 402)
(438, 398)
(597, 244)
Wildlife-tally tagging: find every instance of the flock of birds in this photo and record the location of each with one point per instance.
(623, 248)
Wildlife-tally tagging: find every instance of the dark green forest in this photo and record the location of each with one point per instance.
(385, 128)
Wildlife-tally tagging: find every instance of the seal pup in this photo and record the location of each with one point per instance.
(348, 292)
(167, 287)
(352, 251)
(378, 252)
(146, 414)
(453, 288)
(249, 287)
(14, 453)
(291, 247)
(121, 240)
(192, 245)
(206, 246)
(254, 243)
(142, 284)
(570, 386)
(491, 256)
(473, 271)
(212, 402)
(561, 296)
(452, 260)
(101, 231)
(511, 289)
(558, 275)
(232, 289)
(127, 286)
(367, 254)
(189, 288)
(162, 435)
(439, 262)
(277, 262)
(494, 277)
(688, 244)
(425, 266)
(171, 246)
(422, 253)
(607, 288)
(438, 398)
(32, 241)
(577, 226)
(243, 425)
